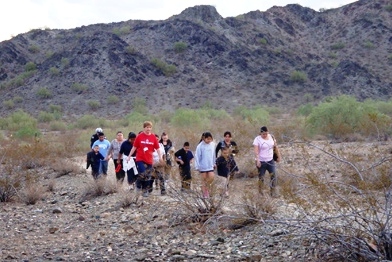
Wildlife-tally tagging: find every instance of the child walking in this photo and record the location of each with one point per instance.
(94, 160)
(205, 162)
(226, 166)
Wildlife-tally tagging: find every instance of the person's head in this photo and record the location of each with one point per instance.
(120, 136)
(131, 137)
(98, 130)
(147, 127)
(225, 151)
(207, 137)
(227, 136)
(164, 137)
(157, 137)
(264, 131)
(101, 136)
(186, 146)
(96, 148)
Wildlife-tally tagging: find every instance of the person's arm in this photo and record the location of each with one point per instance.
(111, 150)
(256, 152)
(218, 147)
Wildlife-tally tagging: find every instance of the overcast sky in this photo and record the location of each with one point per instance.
(20, 16)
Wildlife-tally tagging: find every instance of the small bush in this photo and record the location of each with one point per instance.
(337, 46)
(388, 8)
(180, 47)
(30, 66)
(78, 87)
(55, 108)
(166, 69)
(58, 126)
(34, 49)
(64, 62)
(9, 104)
(100, 187)
(298, 76)
(45, 117)
(94, 104)
(113, 99)
(122, 31)
(18, 99)
(23, 124)
(87, 121)
(32, 193)
(369, 45)
(54, 71)
(263, 41)
(44, 93)
(131, 50)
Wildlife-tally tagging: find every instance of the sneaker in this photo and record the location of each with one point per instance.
(145, 194)
(131, 187)
(274, 193)
(163, 192)
(227, 194)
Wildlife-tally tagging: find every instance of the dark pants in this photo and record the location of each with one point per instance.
(158, 175)
(270, 167)
(119, 175)
(144, 177)
(131, 176)
(185, 173)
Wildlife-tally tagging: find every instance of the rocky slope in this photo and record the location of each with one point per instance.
(285, 56)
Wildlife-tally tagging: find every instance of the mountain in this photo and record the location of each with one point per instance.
(285, 57)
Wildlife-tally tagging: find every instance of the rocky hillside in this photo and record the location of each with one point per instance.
(284, 56)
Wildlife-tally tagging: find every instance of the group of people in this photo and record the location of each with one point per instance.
(146, 158)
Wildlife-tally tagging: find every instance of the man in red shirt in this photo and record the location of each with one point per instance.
(144, 145)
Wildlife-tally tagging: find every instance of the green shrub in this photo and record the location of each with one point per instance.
(184, 117)
(55, 108)
(254, 115)
(44, 93)
(140, 105)
(305, 110)
(54, 71)
(18, 99)
(34, 49)
(30, 66)
(113, 99)
(94, 104)
(9, 104)
(130, 50)
(20, 79)
(87, 121)
(343, 115)
(78, 87)
(166, 69)
(122, 31)
(298, 76)
(263, 41)
(45, 117)
(180, 47)
(64, 62)
(337, 46)
(369, 45)
(388, 8)
(21, 123)
(135, 119)
(58, 126)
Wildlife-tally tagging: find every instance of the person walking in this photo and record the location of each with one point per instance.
(227, 142)
(94, 160)
(263, 147)
(159, 168)
(114, 149)
(184, 157)
(123, 154)
(95, 136)
(205, 162)
(168, 147)
(226, 167)
(103, 149)
(144, 146)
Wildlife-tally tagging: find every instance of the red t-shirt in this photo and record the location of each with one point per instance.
(145, 146)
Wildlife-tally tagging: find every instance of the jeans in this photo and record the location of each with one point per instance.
(270, 167)
(103, 167)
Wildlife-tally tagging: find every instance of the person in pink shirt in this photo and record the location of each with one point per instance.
(264, 145)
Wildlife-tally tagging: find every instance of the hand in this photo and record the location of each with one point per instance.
(258, 163)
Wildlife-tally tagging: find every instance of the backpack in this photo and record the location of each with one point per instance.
(276, 149)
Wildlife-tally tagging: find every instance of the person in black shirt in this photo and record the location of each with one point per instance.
(184, 158)
(95, 136)
(226, 167)
(227, 143)
(94, 160)
(125, 149)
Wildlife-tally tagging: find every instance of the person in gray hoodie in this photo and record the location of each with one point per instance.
(205, 162)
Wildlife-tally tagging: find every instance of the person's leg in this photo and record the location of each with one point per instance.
(262, 170)
(274, 179)
(208, 178)
(119, 175)
(104, 167)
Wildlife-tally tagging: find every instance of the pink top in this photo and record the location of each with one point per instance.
(266, 148)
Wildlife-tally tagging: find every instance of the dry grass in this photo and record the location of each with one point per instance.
(97, 188)
(32, 193)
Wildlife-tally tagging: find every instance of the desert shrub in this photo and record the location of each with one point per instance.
(184, 117)
(135, 120)
(21, 123)
(256, 207)
(44, 93)
(18, 99)
(87, 121)
(128, 199)
(255, 115)
(30, 66)
(166, 69)
(58, 126)
(34, 49)
(263, 41)
(305, 110)
(78, 87)
(100, 187)
(32, 193)
(344, 115)
(9, 104)
(20, 79)
(113, 99)
(388, 8)
(94, 104)
(337, 46)
(368, 44)
(139, 105)
(180, 47)
(131, 50)
(45, 117)
(64, 62)
(54, 71)
(122, 31)
(298, 76)
(55, 108)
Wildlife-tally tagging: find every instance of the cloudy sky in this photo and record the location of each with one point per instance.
(20, 16)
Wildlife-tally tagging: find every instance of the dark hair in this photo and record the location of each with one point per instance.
(263, 129)
(186, 144)
(157, 136)
(101, 134)
(131, 135)
(227, 133)
(206, 135)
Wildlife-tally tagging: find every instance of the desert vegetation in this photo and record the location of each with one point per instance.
(335, 176)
